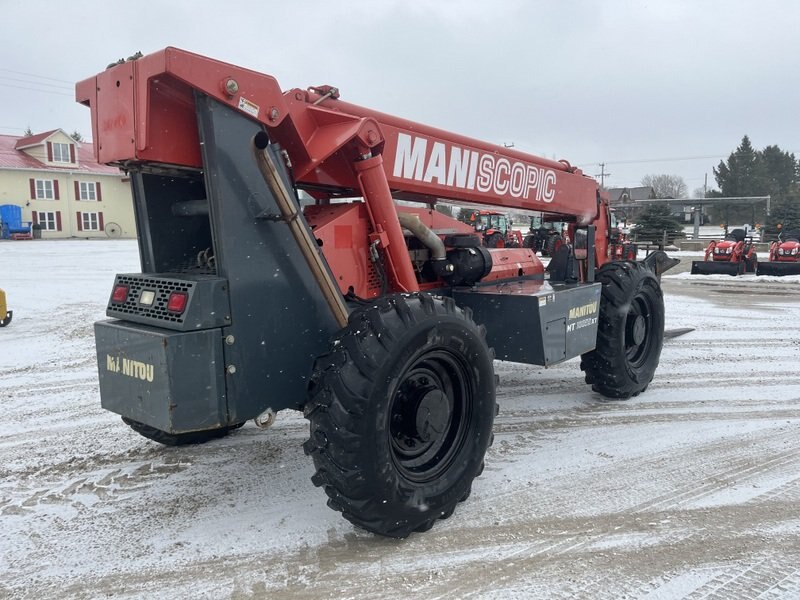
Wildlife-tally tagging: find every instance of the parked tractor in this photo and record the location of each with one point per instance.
(735, 254)
(784, 255)
(380, 321)
(5, 314)
(496, 229)
(620, 245)
(544, 237)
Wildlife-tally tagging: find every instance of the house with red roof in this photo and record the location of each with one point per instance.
(59, 185)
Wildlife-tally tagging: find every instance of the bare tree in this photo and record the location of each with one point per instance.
(666, 186)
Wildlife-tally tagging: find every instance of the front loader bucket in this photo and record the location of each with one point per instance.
(708, 267)
(659, 262)
(778, 269)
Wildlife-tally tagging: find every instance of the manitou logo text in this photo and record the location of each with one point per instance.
(471, 170)
(582, 311)
(586, 315)
(131, 368)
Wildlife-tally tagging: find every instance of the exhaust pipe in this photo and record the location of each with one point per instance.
(308, 246)
(430, 240)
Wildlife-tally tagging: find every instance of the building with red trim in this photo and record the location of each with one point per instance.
(59, 185)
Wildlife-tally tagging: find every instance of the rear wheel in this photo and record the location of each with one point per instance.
(554, 242)
(494, 240)
(401, 413)
(630, 331)
(179, 439)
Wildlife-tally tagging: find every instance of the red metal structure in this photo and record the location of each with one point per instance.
(379, 319)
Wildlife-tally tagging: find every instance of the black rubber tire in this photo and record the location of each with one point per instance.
(630, 331)
(494, 240)
(552, 244)
(401, 412)
(529, 241)
(179, 439)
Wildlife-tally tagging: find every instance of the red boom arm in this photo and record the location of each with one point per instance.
(143, 111)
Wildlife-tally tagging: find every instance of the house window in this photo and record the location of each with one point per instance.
(61, 152)
(88, 191)
(90, 221)
(44, 189)
(48, 220)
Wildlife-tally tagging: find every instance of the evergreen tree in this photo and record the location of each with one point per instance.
(750, 172)
(654, 221)
(743, 174)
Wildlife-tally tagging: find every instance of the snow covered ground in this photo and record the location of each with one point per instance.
(689, 491)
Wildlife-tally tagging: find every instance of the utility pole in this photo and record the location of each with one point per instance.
(602, 175)
(698, 212)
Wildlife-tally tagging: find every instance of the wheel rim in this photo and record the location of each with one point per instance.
(429, 415)
(638, 332)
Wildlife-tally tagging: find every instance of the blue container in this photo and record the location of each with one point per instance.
(11, 221)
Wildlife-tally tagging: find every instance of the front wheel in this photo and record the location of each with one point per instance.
(630, 331)
(401, 412)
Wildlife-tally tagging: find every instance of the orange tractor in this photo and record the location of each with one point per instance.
(784, 255)
(496, 229)
(735, 254)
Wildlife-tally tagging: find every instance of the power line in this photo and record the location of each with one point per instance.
(650, 160)
(53, 85)
(36, 76)
(21, 87)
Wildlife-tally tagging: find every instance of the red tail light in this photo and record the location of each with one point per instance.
(177, 302)
(120, 294)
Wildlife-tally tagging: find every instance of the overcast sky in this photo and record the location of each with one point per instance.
(618, 82)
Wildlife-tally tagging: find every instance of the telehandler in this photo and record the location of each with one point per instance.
(379, 320)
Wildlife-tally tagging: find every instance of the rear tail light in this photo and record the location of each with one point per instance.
(177, 302)
(120, 294)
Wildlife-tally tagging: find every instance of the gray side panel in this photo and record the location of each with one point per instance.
(170, 380)
(280, 321)
(535, 322)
